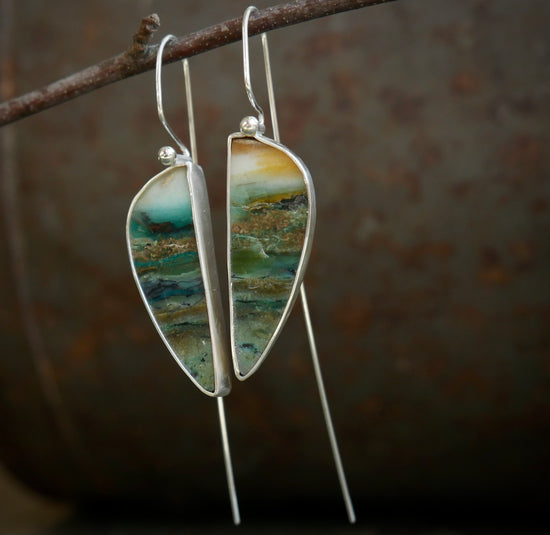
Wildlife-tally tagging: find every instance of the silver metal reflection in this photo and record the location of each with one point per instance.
(190, 112)
(270, 93)
(205, 247)
(326, 410)
(228, 466)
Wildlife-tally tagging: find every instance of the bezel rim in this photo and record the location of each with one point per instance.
(220, 360)
(304, 257)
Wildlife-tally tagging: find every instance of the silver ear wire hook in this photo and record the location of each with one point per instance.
(158, 86)
(246, 68)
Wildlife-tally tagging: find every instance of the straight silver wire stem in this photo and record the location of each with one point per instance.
(309, 326)
(190, 112)
(270, 94)
(246, 65)
(326, 409)
(228, 465)
(221, 408)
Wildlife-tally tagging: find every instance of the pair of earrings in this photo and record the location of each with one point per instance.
(271, 216)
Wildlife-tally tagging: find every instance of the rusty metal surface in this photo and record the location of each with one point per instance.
(425, 126)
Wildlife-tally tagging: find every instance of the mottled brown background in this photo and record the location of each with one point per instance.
(425, 125)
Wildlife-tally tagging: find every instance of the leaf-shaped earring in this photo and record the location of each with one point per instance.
(171, 249)
(271, 216)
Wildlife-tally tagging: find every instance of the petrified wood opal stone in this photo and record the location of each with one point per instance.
(163, 251)
(268, 218)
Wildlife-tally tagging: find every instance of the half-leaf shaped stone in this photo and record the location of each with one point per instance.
(271, 214)
(171, 251)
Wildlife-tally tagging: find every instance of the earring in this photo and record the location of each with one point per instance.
(271, 216)
(170, 244)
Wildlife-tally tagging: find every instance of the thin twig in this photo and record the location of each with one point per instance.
(149, 25)
(140, 56)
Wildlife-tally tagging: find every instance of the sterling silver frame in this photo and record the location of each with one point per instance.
(200, 210)
(306, 249)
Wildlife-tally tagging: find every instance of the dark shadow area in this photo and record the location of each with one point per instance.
(381, 517)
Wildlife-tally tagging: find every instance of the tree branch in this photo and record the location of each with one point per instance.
(140, 56)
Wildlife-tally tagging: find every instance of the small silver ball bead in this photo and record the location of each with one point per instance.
(249, 126)
(167, 156)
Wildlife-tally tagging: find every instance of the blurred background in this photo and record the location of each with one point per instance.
(425, 125)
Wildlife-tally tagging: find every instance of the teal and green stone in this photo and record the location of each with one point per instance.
(163, 250)
(269, 209)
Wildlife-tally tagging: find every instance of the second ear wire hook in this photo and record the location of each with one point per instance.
(160, 110)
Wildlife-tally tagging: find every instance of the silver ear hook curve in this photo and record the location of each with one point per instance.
(246, 67)
(158, 87)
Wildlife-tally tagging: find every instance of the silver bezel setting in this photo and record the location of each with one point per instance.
(306, 250)
(205, 246)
